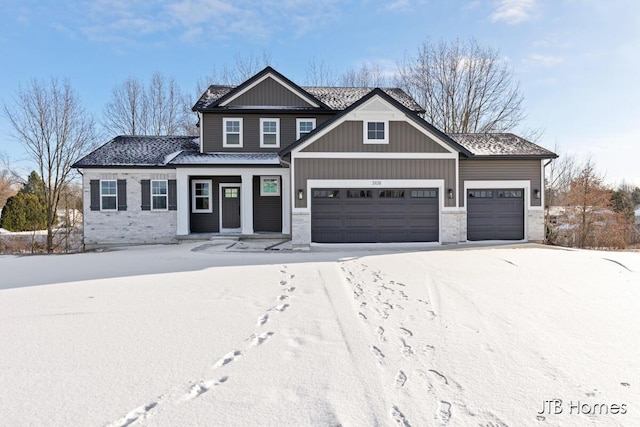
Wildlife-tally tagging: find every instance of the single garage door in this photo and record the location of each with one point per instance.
(495, 214)
(351, 215)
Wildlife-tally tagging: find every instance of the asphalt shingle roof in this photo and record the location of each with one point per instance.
(196, 158)
(499, 144)
(336, 98)
(139, 151)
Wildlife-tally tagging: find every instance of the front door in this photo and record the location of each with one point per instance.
(230, 207)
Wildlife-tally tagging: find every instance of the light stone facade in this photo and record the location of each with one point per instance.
(453, 227)
(131, 226)
(535, 220)
(301, 228)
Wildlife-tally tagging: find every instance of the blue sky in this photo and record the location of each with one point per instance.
(577, 61)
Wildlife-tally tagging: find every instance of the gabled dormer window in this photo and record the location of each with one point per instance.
(270, 133)
(231, 132)
(376, 132)
(304, 126)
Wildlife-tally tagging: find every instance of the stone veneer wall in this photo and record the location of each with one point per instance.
(536, 225)
(133, 226)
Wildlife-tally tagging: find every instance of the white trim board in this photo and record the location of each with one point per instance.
(373, 155)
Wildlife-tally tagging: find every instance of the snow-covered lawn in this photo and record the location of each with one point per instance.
(168, 336)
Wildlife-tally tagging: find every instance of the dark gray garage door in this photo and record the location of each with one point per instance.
(495, 214)
(374, 215)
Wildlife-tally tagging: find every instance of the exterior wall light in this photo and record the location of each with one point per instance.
(536, 193)
(300, 194)
(450, 193)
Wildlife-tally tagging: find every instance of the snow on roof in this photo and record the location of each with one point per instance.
(499, 144)
(336, 98)
(196, 158)
(138, 151)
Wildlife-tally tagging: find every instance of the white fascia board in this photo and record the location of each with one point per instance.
(203, 171)
(263, 78)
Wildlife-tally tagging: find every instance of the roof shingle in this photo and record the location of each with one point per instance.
(500, 144)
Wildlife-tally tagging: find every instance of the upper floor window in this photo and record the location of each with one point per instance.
(159, 194)
(269, 132)
(232, 132)
(108, 195)
(376, 132)
(304, 126)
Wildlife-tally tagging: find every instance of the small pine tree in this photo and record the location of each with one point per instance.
(26, 211)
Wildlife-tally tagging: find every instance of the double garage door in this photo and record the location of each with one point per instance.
(495, 214)
(353, 215)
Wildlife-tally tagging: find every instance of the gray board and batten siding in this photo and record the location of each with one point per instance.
(348, 137)
(209, 222)
(267, 210)
(499, 170)
(269, 93)
(371, 169)
(212, 130)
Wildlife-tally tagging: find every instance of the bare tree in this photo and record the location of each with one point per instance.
(55, 130)
(365, 76)
(126, 112)
(156, 108)
(463, 87)
(8, 186)
(319, 74)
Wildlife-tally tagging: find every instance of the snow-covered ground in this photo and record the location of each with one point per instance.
(187, 335)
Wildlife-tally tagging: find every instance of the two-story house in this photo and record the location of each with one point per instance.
(318, 164)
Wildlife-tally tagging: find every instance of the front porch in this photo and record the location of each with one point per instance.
(241, 202)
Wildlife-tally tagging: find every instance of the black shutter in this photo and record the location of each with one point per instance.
(122, 194)
(94, 187)
(146, 194)
(173, 195)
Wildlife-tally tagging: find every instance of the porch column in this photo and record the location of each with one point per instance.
(246, 203)
(182, 193)
(285, 188)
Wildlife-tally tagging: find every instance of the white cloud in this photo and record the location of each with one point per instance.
(543, 60)
(513, 11)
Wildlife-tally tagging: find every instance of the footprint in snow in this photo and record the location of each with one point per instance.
(259, 339)
(202, 387)
(283, 283)
(263, 319)
(444, 412)
(406, 332)
(380, 333)
(228, 358)
(625, 384)
(362, 315)
(282, 297)
(379, 355)
(291, 289)
(401, 378)
(280, 308)
(399, 417)
(137, 414)
(291, 276)
(405, 349)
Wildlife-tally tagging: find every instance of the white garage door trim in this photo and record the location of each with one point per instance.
(483, 185)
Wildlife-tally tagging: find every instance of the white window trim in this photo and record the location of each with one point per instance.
(224, 132)
(300, 120)
(375, 141)
(262, 144)
(262, 179)
(166, 196)
(193, 195)
(109, 195)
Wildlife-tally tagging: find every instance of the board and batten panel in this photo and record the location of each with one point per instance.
(373, 169)
(267, 210)
(212, 131)
(269, 93)
(348, 137)
(501, 170)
